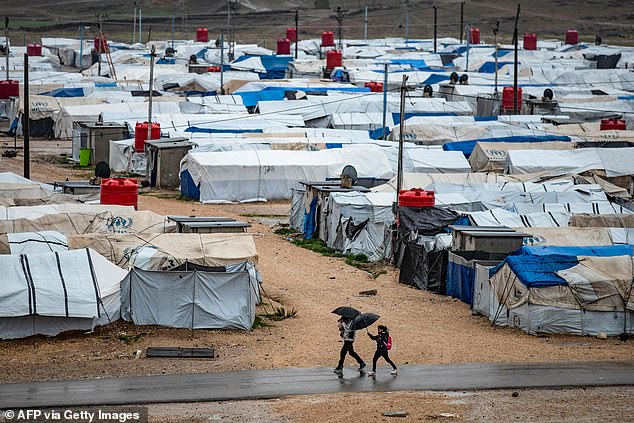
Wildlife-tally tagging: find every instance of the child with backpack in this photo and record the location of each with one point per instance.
(383, 345)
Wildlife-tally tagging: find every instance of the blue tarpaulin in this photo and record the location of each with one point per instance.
(489, 67)
(188, 188)
(598, 251)
(65, 92)
(539, 271)
(467, 146)
(460, 280)
(251, 98)
(310, 219)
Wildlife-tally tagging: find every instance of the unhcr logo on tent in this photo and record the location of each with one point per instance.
(534, 240)
(119, 225)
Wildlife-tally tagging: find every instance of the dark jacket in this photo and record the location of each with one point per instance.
(381, 340)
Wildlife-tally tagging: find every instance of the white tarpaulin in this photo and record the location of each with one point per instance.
(32, 242)
(51, 293)
(270, 174)
(614, 161)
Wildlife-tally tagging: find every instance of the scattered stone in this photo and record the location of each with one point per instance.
(331, 277)
(138, 353)
(368, 293)
(515, 394)
(602, 335)
(395, 414)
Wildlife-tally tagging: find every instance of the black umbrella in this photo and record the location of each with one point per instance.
(364, 320)
(348, 312)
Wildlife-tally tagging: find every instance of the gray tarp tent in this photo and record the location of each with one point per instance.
(194, 299)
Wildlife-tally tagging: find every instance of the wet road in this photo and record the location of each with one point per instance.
(275, 383)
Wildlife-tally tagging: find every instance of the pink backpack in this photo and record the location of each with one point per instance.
(389, 343)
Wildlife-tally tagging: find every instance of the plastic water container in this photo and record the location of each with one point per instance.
(104, 46)
(328, 39)
(507, 98)
(34, 49)
(119, 191)
(291, 34)
(213, 68)
(140, 134)
(84, 156)
(375, 87)
(572, 36)
(416, 197)
(283, 46)
(9, 88)
(613, 124)
(334, 59)
(202, 35)
(474, 36)
(530, 42)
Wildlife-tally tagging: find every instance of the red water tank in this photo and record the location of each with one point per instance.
(333, 59)
(474, 36)
(416, 197)
(202, 35)
(507, 98)
(104, 46)
(613, 124)
(119, 191)
(213, 68)
(530, 42)
(291, 34)
(375, 87)
(328, 39)
(283, 46)
(34, 49)
(8, 89)
(140, 134)
(572, 36)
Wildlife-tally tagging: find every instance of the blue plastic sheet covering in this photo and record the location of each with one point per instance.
(460, 280)
(539, 271)
(467, 146)
(436, 78)
(595, 251)
(310, 220)
(275, 66)
(377, 134)
(197, 93)
(223, 131)
(105, 84)
(396, 117)
(166, 61)
(489, 67)
(65, 92)
(188, 188)
(251, 98)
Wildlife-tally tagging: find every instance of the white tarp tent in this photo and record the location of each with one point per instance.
(51, 293)
(33, 242)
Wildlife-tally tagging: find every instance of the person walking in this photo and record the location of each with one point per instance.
(383, 345)
(348, 345)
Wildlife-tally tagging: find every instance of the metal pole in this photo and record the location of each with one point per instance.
(365, 23)
(406, 22)
(140, 25)
(222, 63)
(468, 46)
(149, 33)
(399, 175)
(26, 121)
(435, 28)
(81, 48)
(6, 42)
(296, 32)
(99, 45)
(515, 37)
(173, 32)
(134, 28)
(149, 119)
(385, 78)
(461, 20)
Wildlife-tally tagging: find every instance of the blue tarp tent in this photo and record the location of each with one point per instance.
(65, 92)
(251, 98)
(467, 146)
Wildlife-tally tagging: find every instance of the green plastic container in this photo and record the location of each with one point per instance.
(84, 157)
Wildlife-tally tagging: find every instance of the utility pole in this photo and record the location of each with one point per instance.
(149, 118)
(399, 175)
(81, 48)
(468, 47)
(222, 63)
(6, 42)
(296, 32)
(340, 15)
(149, 33)
(406, 21)
(99, 47)
(515, 37)
(495, 37)
(173, 32)
(435, 28)
(26, 122)
(134, 26)
(140, 25)
(365, 23)
(385, 79)
(461, 20)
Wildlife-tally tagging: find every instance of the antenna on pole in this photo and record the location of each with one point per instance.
(515, 37)
(340, 15)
